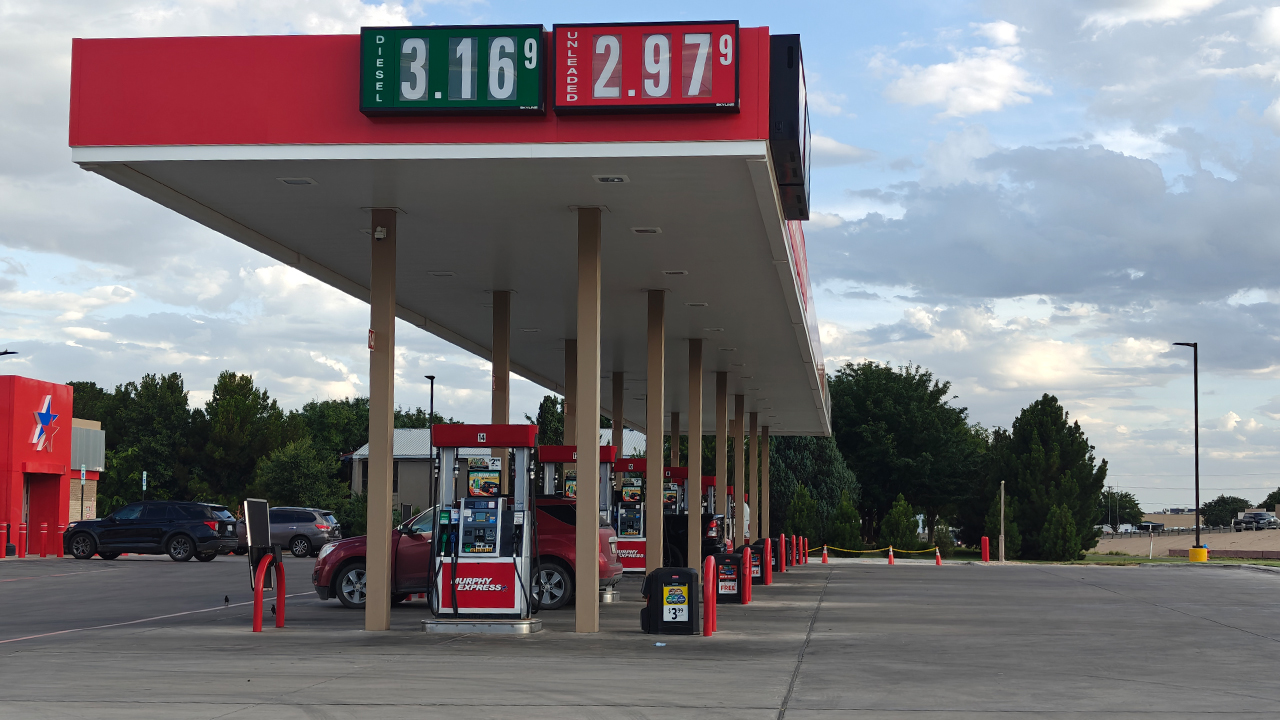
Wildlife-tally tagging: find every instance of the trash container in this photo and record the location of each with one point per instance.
(728, 578)
(672, 602)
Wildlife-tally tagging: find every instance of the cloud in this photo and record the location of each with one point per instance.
(833, 153)
(978, 80)
(1118, 13)
(1000, 32)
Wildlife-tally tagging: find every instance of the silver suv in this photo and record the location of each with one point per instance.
(302, 530)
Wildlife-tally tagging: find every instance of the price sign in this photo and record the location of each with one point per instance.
(467, 69)
(675, 603)
(646, 67)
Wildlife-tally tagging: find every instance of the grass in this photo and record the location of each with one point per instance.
(1116, 557)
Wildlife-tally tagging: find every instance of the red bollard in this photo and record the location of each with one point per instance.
(4, 539)
(782, 553)
(766, 563)
(61, 533)
(22, 540)
(806, 551)
(795, 550)
(279, 594)
(709, 597)
(258, 577)
(747, 580)
(986, 549)
(44, 539)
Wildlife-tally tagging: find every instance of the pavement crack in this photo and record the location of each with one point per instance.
(795, 674)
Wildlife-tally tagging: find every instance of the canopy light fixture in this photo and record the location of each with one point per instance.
(675, 272)
(728, 349)
(647, 230)
(713, 329)
(530, 329)
(695, 304)
(441, 273)
(298, 181)
(611, 179)
(639, 398)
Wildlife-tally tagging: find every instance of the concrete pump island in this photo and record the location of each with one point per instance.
(614, 213)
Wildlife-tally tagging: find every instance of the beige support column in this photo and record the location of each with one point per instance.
(587, 432)
(752, 446)
(764, 481)
(722, 445)
(382, 352)
(675, 439)
(570, 391)
(693, 486)
(731, 501)
(502, 372)
(619, 402)
(653, 432)
(739, 469)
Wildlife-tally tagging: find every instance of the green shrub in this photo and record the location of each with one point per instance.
(900, 528)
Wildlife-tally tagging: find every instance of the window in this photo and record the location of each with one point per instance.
(277, 515)
(156, 511)
(128, 512)
(425, 522)
(193, 512)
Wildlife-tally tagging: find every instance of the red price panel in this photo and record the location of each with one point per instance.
(646, 67)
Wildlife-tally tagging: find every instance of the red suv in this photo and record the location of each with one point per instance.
(339, 570)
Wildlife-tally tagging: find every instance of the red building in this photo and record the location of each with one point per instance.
(36, 468)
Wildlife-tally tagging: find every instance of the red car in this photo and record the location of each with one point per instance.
(339, 570)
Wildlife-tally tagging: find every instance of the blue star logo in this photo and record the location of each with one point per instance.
(42, 437)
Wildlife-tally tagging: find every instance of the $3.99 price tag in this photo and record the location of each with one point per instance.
(675, 603)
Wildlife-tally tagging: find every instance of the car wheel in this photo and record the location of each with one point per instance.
(108, 556)
(350, 586)
(83, 546)
(300, 546)
(207, 556)
(553, 586)
(180, 548)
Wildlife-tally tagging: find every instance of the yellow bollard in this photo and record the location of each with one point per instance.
(1198, 554)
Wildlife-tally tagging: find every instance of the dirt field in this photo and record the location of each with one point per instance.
(1259, 540)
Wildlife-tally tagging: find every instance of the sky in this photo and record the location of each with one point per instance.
(1024, 198)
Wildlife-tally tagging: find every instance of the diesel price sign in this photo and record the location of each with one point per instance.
(646, 67)
(470, 69)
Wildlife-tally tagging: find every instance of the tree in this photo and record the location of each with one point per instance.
(900, 436)
(1120, 508)
(942, 539)
(802, 514)
(90, 402)
(550, 420)
(238, 425)
(148, 425)
(1046, 461)
(844, 529)
(814, 463)
(297, 474)
(1058, 540)
(900, 527)
(1271, 501)
(1221, 510)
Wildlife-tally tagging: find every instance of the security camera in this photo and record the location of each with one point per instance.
(379, 233)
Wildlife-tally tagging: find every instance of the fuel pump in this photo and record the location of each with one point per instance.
(632, 541)
(549, 456)
(483, 553)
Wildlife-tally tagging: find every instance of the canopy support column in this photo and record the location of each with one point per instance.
(739, 471)
(382, 353)
(619, 402)
(764, 482)
(653, 432)
(502, 373)
(752, 446)
(693, 485)
(587, 433)
(722, 447)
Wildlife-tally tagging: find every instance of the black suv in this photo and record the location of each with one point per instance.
(182, 530)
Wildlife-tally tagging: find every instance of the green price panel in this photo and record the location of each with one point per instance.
(461, 69)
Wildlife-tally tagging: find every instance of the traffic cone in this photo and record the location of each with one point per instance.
(824, 554)
(890, 554)
(937, 556)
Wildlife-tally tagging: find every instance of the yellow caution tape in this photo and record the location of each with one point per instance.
(896, 550)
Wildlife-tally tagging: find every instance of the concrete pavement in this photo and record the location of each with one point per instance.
(829, 641)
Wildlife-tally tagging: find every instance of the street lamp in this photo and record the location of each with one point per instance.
(1195, 391)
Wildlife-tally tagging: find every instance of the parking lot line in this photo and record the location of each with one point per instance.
(37, 577)
(135, 622)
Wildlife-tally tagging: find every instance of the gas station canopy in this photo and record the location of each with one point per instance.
(263, 139)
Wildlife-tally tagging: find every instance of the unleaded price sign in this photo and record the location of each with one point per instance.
(467, 69)
(646, 67)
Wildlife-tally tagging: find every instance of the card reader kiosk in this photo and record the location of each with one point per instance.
(478, 526)
(631, 509)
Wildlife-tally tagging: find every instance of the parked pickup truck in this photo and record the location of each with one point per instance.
(1255, 521)
(340, 568)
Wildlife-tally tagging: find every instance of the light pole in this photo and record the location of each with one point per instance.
(1001, 521)
(1195, 391)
